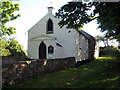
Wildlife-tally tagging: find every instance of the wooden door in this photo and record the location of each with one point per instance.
(42, 51)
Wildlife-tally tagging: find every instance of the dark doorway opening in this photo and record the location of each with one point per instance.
(42, 51)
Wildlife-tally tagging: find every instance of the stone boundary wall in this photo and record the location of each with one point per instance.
(15, 59)
(15, 72)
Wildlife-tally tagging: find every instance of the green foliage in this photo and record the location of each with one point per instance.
(3, 45)
(10, 47)
(108, 19)
(76, 14)
(73, 15)
(109, 51)
(103, 39)
(99, 38)
(7, 11)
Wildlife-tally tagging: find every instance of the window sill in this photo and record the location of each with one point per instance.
(50, 32)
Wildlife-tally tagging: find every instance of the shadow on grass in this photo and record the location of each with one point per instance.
(102, 73)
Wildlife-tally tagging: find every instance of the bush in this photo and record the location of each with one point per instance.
(108, 51)
(10, 47)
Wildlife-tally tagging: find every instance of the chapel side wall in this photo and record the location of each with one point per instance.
(33, 49)
(38, 29)
(83, 51)
(48, 43)
(77, 47)
(96, 54)
(29, 46)
(33, 46)
(59, 52)
(66, 39)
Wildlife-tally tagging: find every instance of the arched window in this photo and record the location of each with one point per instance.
(50, 49)
(49, 26)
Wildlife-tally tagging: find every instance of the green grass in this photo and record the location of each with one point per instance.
(104, 72)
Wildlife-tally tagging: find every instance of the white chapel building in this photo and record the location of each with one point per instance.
(46, 40)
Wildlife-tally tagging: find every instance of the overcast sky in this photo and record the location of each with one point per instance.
(32, 11)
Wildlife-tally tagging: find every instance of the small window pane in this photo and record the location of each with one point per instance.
(50, 49)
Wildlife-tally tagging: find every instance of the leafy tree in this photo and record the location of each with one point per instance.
(10, 47)
(7, 11)
(103, 39)
(73, 15)
(3, 45)
(15, 48)
(108, 19)
(76, 14)
(99, 38)
(106, 41)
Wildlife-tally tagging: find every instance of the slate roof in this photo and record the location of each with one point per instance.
(88, 36)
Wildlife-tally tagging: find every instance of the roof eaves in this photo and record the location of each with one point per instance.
(90, 37)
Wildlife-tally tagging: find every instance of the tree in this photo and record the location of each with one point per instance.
(108, 19)
(10, 47)
(7, 11)
(103, 39)
(3, 45)
(76, 14)
(73, 15)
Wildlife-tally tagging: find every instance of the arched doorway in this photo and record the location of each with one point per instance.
(42, 51)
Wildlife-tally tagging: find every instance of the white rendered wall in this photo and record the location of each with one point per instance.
(96, 54)
(82, 48)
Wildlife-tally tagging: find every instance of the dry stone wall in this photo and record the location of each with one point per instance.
(21, 70)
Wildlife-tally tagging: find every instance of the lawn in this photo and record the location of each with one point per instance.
(104, 72)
